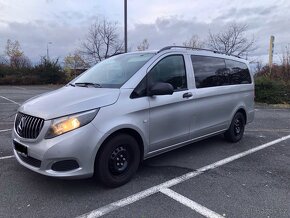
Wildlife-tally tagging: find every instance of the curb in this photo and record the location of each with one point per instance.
(272, 106)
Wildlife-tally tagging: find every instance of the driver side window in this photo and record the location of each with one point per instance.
(170, 69)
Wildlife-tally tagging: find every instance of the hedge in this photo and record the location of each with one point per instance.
(271, 91)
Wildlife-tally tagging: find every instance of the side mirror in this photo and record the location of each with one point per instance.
(161, 89)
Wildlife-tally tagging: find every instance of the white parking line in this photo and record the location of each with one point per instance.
(191, 204)
(267, 130)
(150, 191)
(6, 157)
(10, 100)
(5, 130)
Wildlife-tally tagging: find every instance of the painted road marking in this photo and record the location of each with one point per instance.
(6, 157)
(191, 204)
(5, 130)
(10, 100)
(150, 191)
(267, 130)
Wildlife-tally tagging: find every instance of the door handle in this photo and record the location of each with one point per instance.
(187, 95)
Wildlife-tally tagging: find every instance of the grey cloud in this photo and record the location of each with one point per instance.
(262, 23)
(2, 6)
(172, 30)
(168, 31)
(267, 11)
(66, 30)
(239, 14)
(33, 37)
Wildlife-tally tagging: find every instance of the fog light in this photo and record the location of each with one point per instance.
(65, 165)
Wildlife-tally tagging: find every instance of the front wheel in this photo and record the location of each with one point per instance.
(236, 129)
(118, 160)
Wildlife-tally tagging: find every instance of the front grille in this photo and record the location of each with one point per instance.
(28, 126)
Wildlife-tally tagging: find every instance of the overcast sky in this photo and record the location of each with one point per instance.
(163, 22)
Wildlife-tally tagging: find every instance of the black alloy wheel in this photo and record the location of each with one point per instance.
(236, 129)
(118, 160)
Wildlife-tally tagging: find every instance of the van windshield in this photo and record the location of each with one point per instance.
(113, 72)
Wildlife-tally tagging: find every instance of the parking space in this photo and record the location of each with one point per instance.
(253, 185)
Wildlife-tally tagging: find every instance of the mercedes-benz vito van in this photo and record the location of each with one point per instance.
(131, 107)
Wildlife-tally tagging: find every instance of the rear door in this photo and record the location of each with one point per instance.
(213, 102)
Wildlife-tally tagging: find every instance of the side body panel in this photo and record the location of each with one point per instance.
(215, 107)
(168, 121)
(126, 113)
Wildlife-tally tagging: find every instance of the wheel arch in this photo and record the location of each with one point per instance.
(243, 111)
(130, 131)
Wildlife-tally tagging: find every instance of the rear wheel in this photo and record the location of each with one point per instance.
(237, 128)
(118, 160)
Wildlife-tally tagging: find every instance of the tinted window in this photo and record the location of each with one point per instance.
(239, 72)
(209, 71)
(170, 69)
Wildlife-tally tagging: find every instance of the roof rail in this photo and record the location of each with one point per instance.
(200, 49)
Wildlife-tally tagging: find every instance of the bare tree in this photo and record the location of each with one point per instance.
(144, 45)
(286, 56)
(194, 42)
(16, 55)
(286, 63)
(13, 48)
(73, 63)
(3, 60)
(259, 66)
(102, 41)
(232, 41)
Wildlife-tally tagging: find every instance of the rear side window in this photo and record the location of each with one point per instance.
(239, 72)
(209, 71)
(170, 69)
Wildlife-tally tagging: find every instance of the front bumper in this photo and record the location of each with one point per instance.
(79, 145)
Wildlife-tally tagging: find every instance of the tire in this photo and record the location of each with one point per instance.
(117, 161)
(236, 129)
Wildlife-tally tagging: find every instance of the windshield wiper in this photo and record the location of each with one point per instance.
(71, 84)
(86, 84)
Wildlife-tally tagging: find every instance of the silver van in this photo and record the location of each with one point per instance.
(131, 107)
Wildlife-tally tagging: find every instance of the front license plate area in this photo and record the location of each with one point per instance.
(20, 148)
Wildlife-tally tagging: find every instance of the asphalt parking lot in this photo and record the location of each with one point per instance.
(210, 178)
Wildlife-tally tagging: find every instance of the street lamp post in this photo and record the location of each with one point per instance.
(47, 51)
(125, 26)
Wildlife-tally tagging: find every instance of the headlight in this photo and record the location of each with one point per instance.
(68, 123)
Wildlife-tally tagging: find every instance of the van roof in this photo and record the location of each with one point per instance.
(195, 51)
(202, 51)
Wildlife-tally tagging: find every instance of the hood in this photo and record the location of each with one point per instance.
(69, 100)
